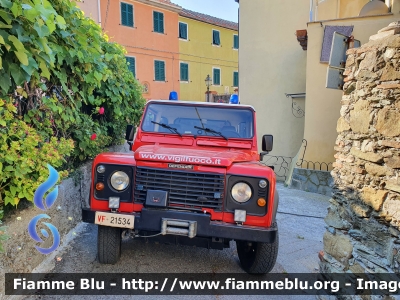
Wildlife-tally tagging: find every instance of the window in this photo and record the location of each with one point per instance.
(230, 121)
(159, 70)
(158, 21)
(183, 31)
(235, 79)
(216, 77)
(216, 40)
(132, 64)
(184, 72)
(235, 41)
(126, 14)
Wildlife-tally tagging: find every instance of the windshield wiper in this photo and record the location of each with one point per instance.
(168, 127)
(212, 131)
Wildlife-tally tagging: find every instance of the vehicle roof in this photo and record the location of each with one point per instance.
(171, 102)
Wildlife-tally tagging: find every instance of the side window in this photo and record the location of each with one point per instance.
(216, 40)
(235, 41)
(159, 70)
(131, 65)
(184, 72)
(235, 79)
(183, 31)
(126, 14)
(158, 21)
(217, 77)
(147, 125)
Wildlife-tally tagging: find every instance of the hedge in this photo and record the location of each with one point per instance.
(65, 93)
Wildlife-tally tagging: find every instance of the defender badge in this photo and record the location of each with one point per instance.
(180, 166)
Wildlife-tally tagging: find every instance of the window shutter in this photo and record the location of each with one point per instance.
(155, 21)
(184, 72)
(131, 66)
(187, 72)
(216, 40)
(159, 70)
(161, 22)
(236, 41)
(216, 77)
(124, 20)
(183, 31)
(129, 15)
(158, 21)
(235, 79)
(156, 70)
(162, 70)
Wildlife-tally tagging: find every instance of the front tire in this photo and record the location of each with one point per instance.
(256, 257)
(108, 244)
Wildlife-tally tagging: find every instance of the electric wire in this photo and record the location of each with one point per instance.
(185, 60)
(148, 236)
(299, 215)
(179, 53)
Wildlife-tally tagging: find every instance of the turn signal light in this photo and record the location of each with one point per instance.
(261, 202)
(99, 186)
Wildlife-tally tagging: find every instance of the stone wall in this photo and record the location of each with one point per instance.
(314, 181)
(364, 215)
(20, 255)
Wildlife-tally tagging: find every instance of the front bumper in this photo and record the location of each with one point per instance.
(151, 219)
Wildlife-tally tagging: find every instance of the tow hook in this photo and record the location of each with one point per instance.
(127, 234)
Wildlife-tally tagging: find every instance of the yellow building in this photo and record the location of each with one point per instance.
(207, 46)
(283, 79)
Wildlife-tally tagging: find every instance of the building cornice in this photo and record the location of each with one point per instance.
(156, 3)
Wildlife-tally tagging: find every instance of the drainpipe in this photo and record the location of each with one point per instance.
(389, 4)
(99, 11)
(311, 10)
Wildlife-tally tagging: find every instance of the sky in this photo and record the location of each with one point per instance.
(224, 9)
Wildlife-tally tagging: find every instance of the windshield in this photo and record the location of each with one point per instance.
(199, 120)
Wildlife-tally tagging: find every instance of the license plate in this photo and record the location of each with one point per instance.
(114, 220)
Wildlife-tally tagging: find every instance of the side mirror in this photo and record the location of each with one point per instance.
(130, 132)
(267, 142)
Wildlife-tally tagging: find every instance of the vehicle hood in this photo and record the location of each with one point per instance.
(211, 157)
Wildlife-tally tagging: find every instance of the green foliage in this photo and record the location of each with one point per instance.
(57, 68)
(24, 155)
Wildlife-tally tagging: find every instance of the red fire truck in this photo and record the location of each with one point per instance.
(193, 177)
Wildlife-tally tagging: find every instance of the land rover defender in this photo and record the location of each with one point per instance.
(193, 177)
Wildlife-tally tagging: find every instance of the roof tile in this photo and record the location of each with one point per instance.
(208, 19)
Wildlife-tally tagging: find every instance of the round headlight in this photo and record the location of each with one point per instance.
(262, 183)
(241, 192)
(119, 180)
(101, 169)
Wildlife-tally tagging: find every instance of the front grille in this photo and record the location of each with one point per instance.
(186, 190)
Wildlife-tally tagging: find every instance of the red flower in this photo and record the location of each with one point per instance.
(93, 137)
(101, 110)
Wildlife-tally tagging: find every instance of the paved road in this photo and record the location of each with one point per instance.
(301, 227)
